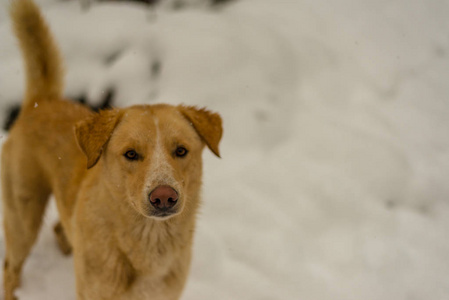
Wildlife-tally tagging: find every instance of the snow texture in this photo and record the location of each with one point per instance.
(333, 181)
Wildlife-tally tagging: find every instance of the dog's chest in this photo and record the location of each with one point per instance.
(155, 263)
(151, 248)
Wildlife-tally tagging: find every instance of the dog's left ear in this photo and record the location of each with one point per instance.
(93, 133)
(207, 124)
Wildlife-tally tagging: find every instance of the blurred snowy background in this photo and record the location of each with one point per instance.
(334, 177)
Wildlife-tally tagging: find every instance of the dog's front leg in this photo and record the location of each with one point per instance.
(108, 275)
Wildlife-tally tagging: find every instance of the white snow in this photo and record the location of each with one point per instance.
(335, 154)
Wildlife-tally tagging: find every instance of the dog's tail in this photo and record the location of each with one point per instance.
(43, 66)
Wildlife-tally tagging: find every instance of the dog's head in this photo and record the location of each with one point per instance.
(151, 155)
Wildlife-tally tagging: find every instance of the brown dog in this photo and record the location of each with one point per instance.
(130, 215)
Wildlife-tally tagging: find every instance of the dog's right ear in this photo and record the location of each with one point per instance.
(207, 124)
(93, 133)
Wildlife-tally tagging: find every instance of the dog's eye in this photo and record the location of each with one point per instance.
(131, 155)
(181, 152)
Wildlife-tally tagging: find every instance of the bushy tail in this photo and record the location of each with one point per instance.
(43, 67)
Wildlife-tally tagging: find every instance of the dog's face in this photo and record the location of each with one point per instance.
(151, 155)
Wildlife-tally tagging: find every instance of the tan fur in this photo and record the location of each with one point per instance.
(121, 249)
(42, 59)
(207, 124)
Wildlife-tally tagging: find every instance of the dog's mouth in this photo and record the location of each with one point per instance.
(163, 214)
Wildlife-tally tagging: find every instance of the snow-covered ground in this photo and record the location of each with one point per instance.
(333, 181)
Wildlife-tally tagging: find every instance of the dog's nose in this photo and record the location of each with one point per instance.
(163, 197)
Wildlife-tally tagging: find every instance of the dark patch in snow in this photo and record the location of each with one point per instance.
(220, 2)
(11, 116)
(156, 68)
(391, 204)
(178, 5)
(111, 58)
(424, 209)
(148, 2)
(105, 103)
(107, 100)
(152, 2)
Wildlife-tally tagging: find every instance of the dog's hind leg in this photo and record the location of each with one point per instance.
(24, 201)
(61, 239)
